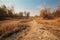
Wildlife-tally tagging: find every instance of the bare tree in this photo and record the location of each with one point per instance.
(57, 12)
(28, 14)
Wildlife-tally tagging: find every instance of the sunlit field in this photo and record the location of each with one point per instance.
(29, 20)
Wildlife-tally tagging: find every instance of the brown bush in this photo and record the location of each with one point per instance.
(57, 12)
(46, 14)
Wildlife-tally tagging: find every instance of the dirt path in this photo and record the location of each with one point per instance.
(41, 32)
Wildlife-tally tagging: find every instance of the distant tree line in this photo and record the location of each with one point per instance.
(47, 14)
(8, 13)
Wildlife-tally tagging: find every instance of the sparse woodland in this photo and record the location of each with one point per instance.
(9, 13)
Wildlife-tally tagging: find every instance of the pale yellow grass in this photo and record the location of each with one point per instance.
(11, 26)
(54, 22)
(6, 28)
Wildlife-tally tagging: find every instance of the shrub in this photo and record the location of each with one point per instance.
(46, 14)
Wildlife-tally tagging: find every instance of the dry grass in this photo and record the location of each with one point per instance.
(54, 22)
(11, 27)
(7, 28)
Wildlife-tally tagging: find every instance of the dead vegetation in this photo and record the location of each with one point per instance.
(47, 14)
(8, 29)
(54, 22)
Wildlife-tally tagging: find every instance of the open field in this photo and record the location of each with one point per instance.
(27, 29)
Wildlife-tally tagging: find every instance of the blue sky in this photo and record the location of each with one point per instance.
(33, 6)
